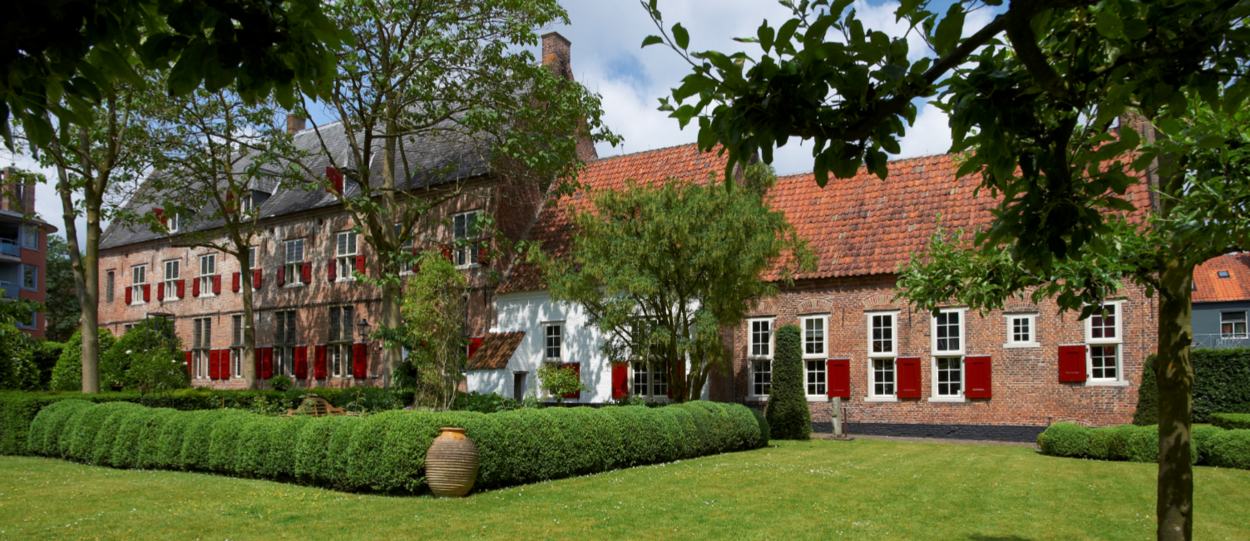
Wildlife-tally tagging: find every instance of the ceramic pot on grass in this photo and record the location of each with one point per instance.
(451, 464)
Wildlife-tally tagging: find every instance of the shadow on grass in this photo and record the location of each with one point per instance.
(998, 538)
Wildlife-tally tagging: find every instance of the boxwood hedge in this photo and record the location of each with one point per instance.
(1231, 421)
(1211, 445)
(386, 452)
(1221, 385)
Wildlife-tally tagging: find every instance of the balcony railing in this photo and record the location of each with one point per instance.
(1217, 341)
(10, 247)
(10, 289)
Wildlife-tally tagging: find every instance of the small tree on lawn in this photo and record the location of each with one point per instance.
(787, 412)
(147, 358)
(661, 269)
(559, 381)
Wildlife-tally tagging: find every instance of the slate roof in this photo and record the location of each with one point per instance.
(1209, 286)
(496, 349)
(433, 162)
(858, 226)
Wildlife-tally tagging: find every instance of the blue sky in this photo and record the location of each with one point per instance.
(606, 56)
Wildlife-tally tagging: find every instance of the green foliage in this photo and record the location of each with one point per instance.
(485, 403)
(17, 359)
(1211, 445)
(281, 383)
(787, 412)
(1231, 449)
(386, 452)
(432, 331)
(46, 357)
(67, 375)
(1231, 421)
(661, 268)
(61, 307)
(147, 358)
(558, 381)
(1221, 385)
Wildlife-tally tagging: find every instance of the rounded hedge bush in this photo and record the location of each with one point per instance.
(1231, 449)
(1065, 439)
(1231, 421)
(46, 434)
(787, 411)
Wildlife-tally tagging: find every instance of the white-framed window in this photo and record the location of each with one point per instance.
(553, 342)
(173, 222)
(30, 277)
(208, 268)
(294, 258)
(1104, 334)
(284, 343)
(339, 346)
(30, 237)
(345, 255)
(138, 277)
(760, 341)
(247, 202)
(1233, 324)
(465, 232)
(948, 332)
(252, 262)
(201, 345)
(237, 349)
(815, 336)
(650, 380)
(405, 248)
(882, 350)
(1022, 331)
(173, 271)
(816, 379)
(949, 377)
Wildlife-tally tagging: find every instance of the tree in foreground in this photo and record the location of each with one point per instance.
(787, 412)
(559, 381)
(1032, 98)
(437, 93)
(61, 307)
(661, 269)
(432, 332)
(147, 358)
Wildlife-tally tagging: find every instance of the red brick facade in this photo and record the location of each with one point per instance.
(23, 245)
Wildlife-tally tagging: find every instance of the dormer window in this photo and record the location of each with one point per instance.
(173, 222)
(1222, 274)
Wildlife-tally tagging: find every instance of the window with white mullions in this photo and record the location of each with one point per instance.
(465, 231)
(1233, 325)
(340, 344)
(236, 349)
(201, 345)
(284, 343)
(138, 277)
(882, 349)
(345, 255)
(761, 352)
(1103, 335)
(882, 334)
(883, 377)
(948, 332)
(553, 342)
(650, 380)
(761, 377)
(1104, 362)
(815, 378)
(208, 268)
(814, 336)
(949, 372)
(294, 257)
(762, 338)
(173, 272)
(1102, 325)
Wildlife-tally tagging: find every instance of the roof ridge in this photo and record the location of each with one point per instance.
(648, 151)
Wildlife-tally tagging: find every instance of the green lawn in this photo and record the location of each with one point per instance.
(806, 490)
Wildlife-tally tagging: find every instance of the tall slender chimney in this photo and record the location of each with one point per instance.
(556, 54)
(294, 124)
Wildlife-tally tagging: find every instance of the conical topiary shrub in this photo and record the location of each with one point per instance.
(787, 413)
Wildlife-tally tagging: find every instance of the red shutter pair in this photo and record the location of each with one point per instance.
(190, 371)
(181, 288)
(620, 380)
(217, 284)
(360, 360)
(360, 264)
(319, 361)
(838, 378)
(577, 369)
(281, 276)
(1072, 363)
(235, 282)
(336, 180)
(195, 287)
(256, 276)
(129, 296)
(332, 270)
(474, 344)
(301, 362)
(147, 292)
(160, 291)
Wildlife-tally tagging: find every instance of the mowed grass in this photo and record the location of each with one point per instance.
(795, 490)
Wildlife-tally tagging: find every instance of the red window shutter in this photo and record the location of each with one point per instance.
(147, 292)
(266, 362)
(226, 366)
(281, 276)
(838, 372)
(1072, 363)
(446, 252)
(977, 377)
(483, 254)
(577, 369)
(360, 264)
(474, 343)
(360, 360)
(182, 288)
(305, 272)
(190, 371)
(160, 291)
(301, 362)
(160, 214)
(235, 282)
(416, 261)
(620, 380)
(214, 365)
(256, 355)
(195, 287)
(319, 361)
(217, 284)
(129, 296)
(336, 180)
(256, 276)
(229, 200)
(332, 270)
(908, 373)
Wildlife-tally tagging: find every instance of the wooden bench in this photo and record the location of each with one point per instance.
(316, 407)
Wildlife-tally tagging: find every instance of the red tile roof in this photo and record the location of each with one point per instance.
(496, 349)
(1210, 287)
(858, 226)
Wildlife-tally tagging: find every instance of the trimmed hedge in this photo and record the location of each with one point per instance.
(1211, 445)
(1221, 385)
(1231, 421)
(386, 452)
(787, 410)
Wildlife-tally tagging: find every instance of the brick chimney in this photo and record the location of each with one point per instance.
(294, 124)
(556, 54)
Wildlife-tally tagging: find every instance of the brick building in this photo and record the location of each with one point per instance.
(23, 249)
(1001, 375)
(311, 315)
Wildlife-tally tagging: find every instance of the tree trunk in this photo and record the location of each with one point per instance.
(249, 322)
(88, 319)
(392, 318)
(90, 302)
(1175, 374)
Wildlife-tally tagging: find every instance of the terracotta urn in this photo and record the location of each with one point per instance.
(451, 464)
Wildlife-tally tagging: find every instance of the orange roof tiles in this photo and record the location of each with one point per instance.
(496, 349)
(1210, 287)
(858, 226)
